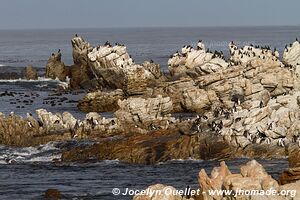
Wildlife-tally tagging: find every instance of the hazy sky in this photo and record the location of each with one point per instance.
(27, 14)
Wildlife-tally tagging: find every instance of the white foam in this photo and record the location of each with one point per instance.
(40, 79)
(1, 65)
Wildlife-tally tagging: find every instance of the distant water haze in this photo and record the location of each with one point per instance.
(19, 48)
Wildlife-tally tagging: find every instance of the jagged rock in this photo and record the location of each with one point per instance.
(80, 51)
(55, 68)
(30, 73)
(246, 54)
(161, 192)
(101, 101)
(153, 68)
(197, 100)
(253, 177)
(51, 122)
(195, 62)
(144, 112)
(291, 56)
(16, 131)
(81, 74)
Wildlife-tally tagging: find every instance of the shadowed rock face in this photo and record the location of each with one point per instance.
(292, 174)
(164, 145)
(55, 68)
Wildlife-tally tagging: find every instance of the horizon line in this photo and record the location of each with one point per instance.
(145, 27)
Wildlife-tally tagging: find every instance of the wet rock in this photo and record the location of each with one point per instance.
(55, 68)
(52, 194)
(30, 73)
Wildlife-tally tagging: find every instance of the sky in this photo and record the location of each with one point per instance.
(49, 14)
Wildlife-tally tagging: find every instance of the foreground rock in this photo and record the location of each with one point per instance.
(252, 178)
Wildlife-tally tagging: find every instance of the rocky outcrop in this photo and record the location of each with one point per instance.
(80, 73)
(246, 54)
(252, 177)
(55, 68)
(291, 56)
(30, 73)
(196, 61)
(101, 101)
(114, 67)
(253, 97)
(18, 131)
(144, 113)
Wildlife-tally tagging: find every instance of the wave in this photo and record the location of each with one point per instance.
(173, 161)
(1, 65)
(40, 79)
(41, 82)
(42, 153)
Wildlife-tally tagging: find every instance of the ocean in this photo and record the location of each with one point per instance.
(32, 172)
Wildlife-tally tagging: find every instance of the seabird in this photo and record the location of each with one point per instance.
(30, 124)
(58, 51)
(152, 127)
(281, 142)
(261, 104)
(76, 35)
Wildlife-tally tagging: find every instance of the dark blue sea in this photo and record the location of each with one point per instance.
(32, 172)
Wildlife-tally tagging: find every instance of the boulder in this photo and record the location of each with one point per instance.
(144, 112)
(196, 61)
(53, 194)
(253, 177)
(101, 101)
(30, 73)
